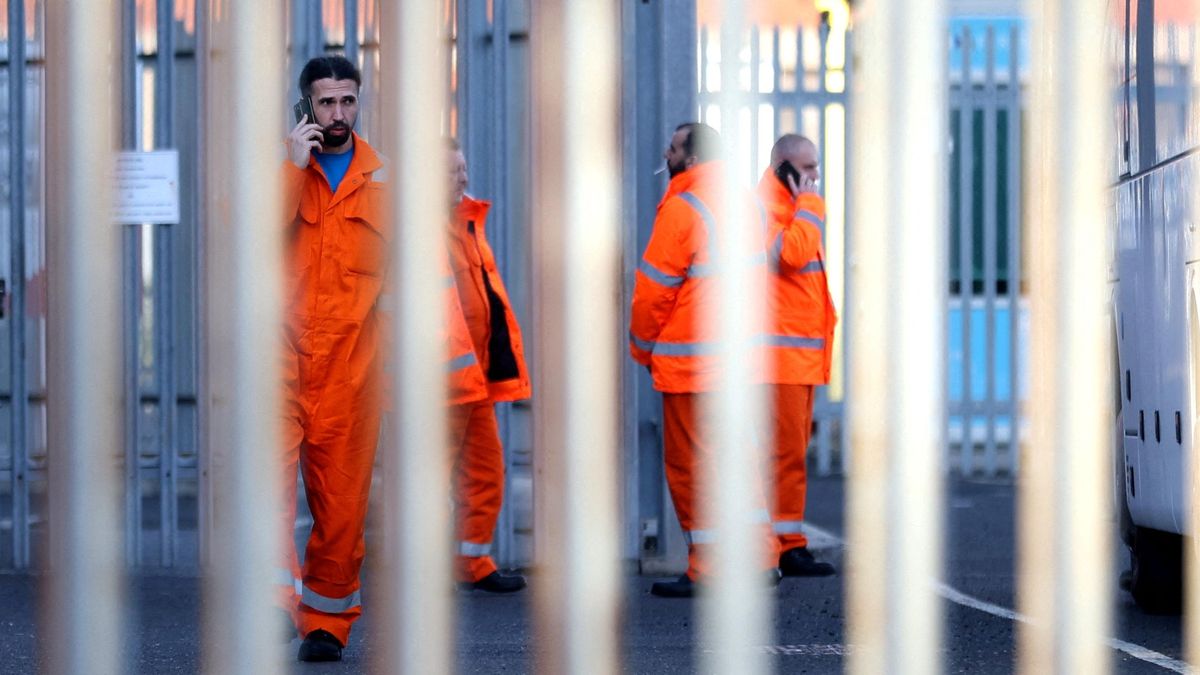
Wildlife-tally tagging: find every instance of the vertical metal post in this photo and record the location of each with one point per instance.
(966, 233)
(1013, 195)
(577, 258)
(1065, 508)
(417, 530)
(896, 397)
(735, 616)
(84, 351)
(131, 256)
(19, 411)
(164, 294)
(244, 322)
(988, 155)
(350, 19)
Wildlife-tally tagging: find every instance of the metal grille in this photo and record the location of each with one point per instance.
(987, 318)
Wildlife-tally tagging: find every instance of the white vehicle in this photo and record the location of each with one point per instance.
(1156, 275)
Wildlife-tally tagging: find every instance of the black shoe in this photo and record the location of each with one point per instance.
(320, 645)
(683, 587)
(497, 583)
(773, 577)
(798, 562)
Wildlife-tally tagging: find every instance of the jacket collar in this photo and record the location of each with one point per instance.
(471, 209)
(363, 162)
(704, 177)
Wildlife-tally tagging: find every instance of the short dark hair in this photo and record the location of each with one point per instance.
(702, 141)
(334, 67)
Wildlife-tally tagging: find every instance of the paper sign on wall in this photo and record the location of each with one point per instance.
(147, 188)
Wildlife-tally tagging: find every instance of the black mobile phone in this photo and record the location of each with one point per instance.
(304, 107)
(784, 170)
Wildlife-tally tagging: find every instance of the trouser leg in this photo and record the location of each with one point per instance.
(792, 417)
(479, 489)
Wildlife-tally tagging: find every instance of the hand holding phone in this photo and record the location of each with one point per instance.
(306, 136)
(303, 107)
(784, 171)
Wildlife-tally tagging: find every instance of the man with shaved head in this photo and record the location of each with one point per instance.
(801, 318)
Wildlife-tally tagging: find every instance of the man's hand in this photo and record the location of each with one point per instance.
(302, 140)
(802, 186)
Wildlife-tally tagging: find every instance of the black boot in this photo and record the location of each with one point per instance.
(798, 562)
(320, 645)
(498, 583)
(683, 587)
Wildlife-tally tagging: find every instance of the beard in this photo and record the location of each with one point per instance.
(328, 140)
(675, 169)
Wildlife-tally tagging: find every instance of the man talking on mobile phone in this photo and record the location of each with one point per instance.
(336, 245)
(801, 318)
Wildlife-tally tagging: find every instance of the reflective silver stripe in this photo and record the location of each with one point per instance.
(459, 362)
(788, 527)
(776, 255)
(660, 277)
(699, 537)
(710, 221)
(448, 281)
(644, 345)
(814, 266)
(810, 217)
(795, 341)
(684, 348)
(473, 550)
(329, 605)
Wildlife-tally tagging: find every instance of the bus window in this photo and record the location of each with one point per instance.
(1175, 111)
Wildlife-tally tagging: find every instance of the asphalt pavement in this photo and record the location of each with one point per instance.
(496, 633)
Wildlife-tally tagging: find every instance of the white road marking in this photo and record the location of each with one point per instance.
(823, 539)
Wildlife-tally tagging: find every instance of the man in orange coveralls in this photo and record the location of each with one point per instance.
(475, 440)
(336, 256)
(800, 336)
(673, 293)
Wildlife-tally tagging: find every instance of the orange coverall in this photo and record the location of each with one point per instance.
(799, 343)
(336, 260)
(474, 435)
(673, 293)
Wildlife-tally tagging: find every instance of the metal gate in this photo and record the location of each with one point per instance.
(987, 317)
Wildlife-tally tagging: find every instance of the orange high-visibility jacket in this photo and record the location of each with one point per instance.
(674, 288)
(497, 339)
(800, 308)
(465, 382)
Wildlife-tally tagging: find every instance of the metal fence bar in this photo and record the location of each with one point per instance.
(350, 29)
(417, 531)
(1015, 282)
(130, 280)
(84, 362)
(1064, 500)
(966, 267)
(164, 306)
(896, 403)
(19, 387)
(988, 157)
(577, 258)
(244, 318)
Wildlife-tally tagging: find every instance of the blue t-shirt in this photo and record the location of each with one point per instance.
(335, 166)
